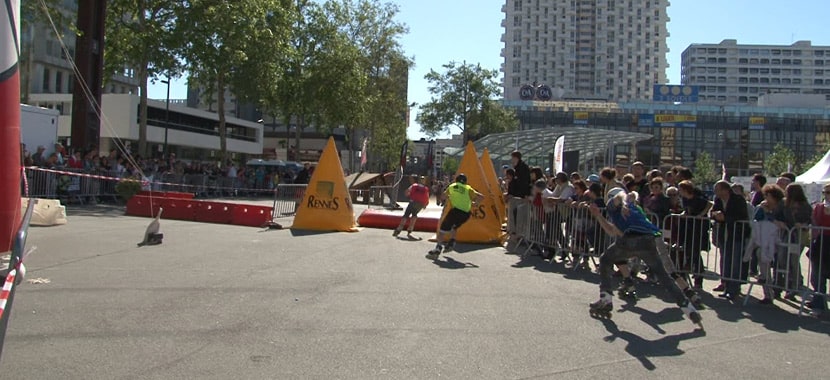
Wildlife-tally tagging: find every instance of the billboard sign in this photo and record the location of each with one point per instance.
(581, 118)
(664, 120)
(675, 93)
(757, 122)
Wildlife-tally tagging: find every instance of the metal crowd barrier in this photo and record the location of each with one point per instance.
(287, 198)
(81, 186)
(72, 187)
(550, 230)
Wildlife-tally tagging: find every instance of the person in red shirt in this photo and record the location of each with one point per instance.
(418, 199)
(75, 162)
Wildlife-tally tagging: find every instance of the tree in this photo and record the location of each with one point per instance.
(704, 171)
(463, 96)
(811, 161)
(371, 27)
(781, 159)
(221, 38)
(449, 165)
(141, 35)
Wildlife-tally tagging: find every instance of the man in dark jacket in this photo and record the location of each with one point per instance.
(519, 187)
(733, 217)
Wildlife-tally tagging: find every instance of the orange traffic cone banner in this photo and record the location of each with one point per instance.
(326, 205)
(484, 225)
(493, 181)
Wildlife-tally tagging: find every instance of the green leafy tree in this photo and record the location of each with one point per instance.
(381, 108)
(141, 35)
(222, 38)
(449, 165)
(293, 94)
(811, 161)
(780, 160)
(704, 171)
(463, 96)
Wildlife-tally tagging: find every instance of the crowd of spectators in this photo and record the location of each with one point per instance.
(694, 222)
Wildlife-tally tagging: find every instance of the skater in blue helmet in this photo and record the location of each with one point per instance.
(635, 236)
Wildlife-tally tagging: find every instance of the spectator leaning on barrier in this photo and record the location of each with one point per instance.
(819, 253)
(656, 201)
(638, 170)
(785, 179)
(519, 187)
(731, 214)
(694, 227)
(795, 214)
(38, 159)
(758, 182)
(765, 236)
(608, 179)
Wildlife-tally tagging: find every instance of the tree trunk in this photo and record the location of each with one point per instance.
(142, 109)
(297, 136)
(220, 109)
(350, 134)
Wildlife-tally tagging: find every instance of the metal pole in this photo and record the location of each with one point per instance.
(166, 117)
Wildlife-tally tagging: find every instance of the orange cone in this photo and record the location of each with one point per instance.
(484, 225)
(326, 204)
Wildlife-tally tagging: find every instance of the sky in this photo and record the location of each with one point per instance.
(441, 31)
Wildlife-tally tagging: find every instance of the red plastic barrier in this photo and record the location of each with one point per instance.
(250, 215)
(180, 209)
(214, 212)
(427, 220)
(166, 194)
(144, 206)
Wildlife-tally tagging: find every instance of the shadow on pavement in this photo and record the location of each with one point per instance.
(468, 248)
(642, 349)
(299, 233)
(450, 263)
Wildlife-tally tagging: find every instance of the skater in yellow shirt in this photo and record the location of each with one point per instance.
(461, 197)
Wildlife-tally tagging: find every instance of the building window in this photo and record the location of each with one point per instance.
(45, 80)
(58, 81)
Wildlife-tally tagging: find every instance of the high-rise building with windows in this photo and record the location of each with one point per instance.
(730, 73)
(45, 67)
(592, 49)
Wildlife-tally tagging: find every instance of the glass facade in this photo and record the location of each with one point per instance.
(740, 137)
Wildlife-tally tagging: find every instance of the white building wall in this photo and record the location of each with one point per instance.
(120, 120)
(729, 72)
(608, 49)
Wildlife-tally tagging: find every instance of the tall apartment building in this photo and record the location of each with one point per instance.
(729, 72)
(595, 49)
(45, 67)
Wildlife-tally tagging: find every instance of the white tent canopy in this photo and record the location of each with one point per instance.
(819, 173)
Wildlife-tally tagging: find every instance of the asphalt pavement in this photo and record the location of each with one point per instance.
(226, 302)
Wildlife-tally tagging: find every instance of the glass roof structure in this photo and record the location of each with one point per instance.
(538, 143)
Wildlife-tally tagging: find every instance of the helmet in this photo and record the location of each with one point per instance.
(613, 193)
(462, 178)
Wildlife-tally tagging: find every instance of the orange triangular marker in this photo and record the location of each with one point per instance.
(484, 225)
(493, 181)
(326, 204)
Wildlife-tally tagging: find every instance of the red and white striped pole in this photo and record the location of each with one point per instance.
(10, 162)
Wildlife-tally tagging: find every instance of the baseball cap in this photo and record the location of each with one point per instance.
(593, 178)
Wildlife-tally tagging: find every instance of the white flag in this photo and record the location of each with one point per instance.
(558, 149)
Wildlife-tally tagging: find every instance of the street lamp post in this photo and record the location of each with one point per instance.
(165, 153)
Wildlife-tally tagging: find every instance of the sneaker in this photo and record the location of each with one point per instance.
(396, 233)
(719, 288)
(450, 246)
(410, 236)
